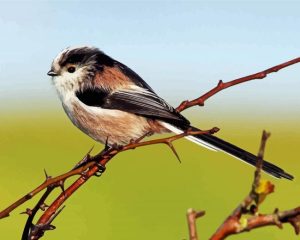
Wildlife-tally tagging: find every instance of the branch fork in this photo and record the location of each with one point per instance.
(246, 216)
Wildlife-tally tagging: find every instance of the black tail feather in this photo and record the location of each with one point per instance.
(243, 155)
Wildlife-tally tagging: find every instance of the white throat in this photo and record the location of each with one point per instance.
(67, 84)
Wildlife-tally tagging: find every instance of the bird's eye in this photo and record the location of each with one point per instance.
(71, 69)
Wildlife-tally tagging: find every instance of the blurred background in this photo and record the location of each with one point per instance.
(181, 49)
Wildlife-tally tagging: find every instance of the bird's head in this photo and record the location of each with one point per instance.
(75, 67)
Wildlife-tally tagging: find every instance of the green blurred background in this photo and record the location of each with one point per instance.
(146, 192)
(181, 49)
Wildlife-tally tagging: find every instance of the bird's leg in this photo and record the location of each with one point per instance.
(87, 158)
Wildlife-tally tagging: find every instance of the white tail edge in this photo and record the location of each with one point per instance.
(191, 138)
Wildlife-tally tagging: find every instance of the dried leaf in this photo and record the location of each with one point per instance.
(263, 189)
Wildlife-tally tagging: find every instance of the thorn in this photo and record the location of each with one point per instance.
(42, 227)
(51, 227)
(85, 159)
(61, 184)
(87, 155)
(62, 188)
(28, 211)
(56, 214)
(173, 150)
(46, 175)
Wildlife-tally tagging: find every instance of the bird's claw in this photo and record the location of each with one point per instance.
(101, 170)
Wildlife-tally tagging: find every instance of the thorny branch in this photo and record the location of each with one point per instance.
(221, 85)
(100, 162)
(96, 166)
(31, 213)
(246, 216)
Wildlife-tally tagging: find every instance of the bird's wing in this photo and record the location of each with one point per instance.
(137, 100)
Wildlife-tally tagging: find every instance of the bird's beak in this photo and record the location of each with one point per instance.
(52, 73)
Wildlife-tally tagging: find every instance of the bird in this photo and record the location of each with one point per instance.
(112, 104)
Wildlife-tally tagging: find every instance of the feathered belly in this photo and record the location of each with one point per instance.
(101, 124)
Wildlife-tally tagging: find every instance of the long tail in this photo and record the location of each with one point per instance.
(214, 143)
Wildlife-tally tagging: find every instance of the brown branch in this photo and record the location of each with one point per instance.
(246, 217)
(221, 85)
(48, 182)
(237, 222)
(78, 171)
(31, 213)
(101, 161)
(233, 226)
(257, 174)
(192, 216)
(86, 171)
(276, 219)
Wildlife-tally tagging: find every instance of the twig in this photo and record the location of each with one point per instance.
(192, 216)
(237, 223)
(101, 161)
(232, 223)
(78, 171)
(40, 204)
(86, 171)
(276, 219)
(233, 226)
(221, 85)
(5, 213)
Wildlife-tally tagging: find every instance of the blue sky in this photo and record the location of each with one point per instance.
(180, 48)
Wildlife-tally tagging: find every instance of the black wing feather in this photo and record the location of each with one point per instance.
(139, 101)
(92, 97)
(146, 104)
